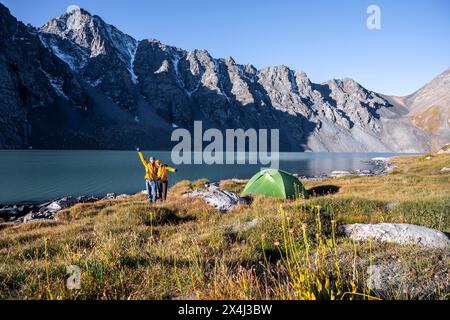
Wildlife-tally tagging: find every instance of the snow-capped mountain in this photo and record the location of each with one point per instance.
(103, 55)
(78, 82)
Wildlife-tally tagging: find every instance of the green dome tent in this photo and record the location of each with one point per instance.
(275, 183)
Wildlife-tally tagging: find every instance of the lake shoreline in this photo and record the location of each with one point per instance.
(23, 212)
(34, 177)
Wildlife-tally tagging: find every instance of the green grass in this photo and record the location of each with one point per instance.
(185, 249)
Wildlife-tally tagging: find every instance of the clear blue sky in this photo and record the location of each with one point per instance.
(325, 38)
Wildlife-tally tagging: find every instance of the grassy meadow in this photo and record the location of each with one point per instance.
(269, 249)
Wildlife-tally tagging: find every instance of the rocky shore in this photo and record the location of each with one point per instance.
(23, 213)
(378, 167)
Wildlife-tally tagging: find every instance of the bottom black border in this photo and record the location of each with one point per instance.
(177, 309)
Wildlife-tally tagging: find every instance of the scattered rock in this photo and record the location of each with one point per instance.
(47, 211)
(379, 167)
(110, 196)
(379, 159)
(316, 178)
(398, 233)
(364, 173)
(392, 205)
(218, 198)
(36, 216)
(428, 158)
(66, 202)
(12, 213)
(239, 180)
(44, 211)
(445, 169)
(61, 204)
(382, 277)
(87, 199)
(400, 280)
(243, 226)
(337, 174)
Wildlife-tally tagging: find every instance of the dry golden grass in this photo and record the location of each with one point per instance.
(128, 249)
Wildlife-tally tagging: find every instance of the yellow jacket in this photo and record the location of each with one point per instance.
(150, 168)
(162, 172)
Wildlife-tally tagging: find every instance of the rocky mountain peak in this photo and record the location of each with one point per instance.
(230, 60)
(346, 89)
(76, 25)
(92, 33)
(99, 52)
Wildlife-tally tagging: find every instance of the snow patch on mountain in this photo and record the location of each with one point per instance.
(163, 68)
(125, 45)
(191, 92)
(133, 75)
(217, 69)
(56, 83)
(175, 62)
(94, 83)
(74, 63)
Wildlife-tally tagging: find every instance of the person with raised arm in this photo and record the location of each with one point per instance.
(151, 172)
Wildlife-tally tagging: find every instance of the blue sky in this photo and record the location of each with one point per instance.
(325, 38)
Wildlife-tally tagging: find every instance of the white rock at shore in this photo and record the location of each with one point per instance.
(380, 159)
(336, 173)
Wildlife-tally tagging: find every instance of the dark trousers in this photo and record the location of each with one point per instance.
(162, 190)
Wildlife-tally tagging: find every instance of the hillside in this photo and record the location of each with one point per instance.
(429, 108)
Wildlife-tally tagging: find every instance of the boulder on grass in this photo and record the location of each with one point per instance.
(218, 198)
(398, 233)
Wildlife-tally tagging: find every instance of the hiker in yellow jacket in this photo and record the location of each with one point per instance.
(151, 172)
(163, 179)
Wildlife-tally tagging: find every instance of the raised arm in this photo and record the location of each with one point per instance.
(141, 156)
(171, 169)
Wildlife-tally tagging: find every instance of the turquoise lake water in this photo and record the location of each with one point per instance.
(34, 175)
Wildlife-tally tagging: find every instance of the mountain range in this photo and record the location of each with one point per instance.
(78, 82)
